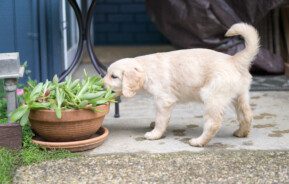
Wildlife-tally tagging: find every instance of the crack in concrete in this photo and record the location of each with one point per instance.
(265, 115)
(218, 145)
(264, 126)
(140, 139)
(278, 133)
(255, 97)
(192, 126)
(179, 132)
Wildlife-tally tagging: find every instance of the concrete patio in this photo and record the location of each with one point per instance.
(126, 157)
(270, 129)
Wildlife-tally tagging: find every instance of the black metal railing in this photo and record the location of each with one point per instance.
(84, 21)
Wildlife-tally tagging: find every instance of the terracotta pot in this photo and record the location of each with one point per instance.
(74, 124)
(11, 136)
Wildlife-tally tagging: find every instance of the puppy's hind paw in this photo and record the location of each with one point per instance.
(197, 143)
(153, 135)
(239, 133)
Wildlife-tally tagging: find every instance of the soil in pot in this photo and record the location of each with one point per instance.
(74, 124)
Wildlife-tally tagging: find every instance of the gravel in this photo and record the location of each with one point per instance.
(181, 167)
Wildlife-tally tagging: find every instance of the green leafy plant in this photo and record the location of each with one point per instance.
(29, 154)
(3, 114)
(3, 103)
(3, 100)
(58, 96)
(8, 160)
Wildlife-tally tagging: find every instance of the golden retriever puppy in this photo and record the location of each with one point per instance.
(203, 75)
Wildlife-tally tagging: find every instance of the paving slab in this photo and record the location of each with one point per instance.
(183, 167)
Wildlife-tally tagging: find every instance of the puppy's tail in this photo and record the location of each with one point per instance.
(251, 37)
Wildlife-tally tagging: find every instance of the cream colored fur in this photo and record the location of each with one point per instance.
(203, 75)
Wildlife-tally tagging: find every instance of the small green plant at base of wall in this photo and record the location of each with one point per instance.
(3, 115)
(29, 154)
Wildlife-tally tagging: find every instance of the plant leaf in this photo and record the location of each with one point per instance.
(68, 80)
(96, 87)
(55, 79)
(85, 74)
(73, 84)
(31, 83)
(37, 105)
(83, 104)
(83, 89)
(45, 86)
(89, 96)
(58, 112)
(101, 102)
(59, 97)
(108, 93)
(19, 112)
(24, 120)
(36, 91)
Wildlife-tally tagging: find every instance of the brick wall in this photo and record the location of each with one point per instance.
(124, 22)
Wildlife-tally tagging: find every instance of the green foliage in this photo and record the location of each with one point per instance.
(8, 160)
(31, 153)
(3, 103)
(1, 88)
(86, 94)
(28, 155)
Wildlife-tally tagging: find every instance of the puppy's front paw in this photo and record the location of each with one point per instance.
(152, 135)
(197, 142)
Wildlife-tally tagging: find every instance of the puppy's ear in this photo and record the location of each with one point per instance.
(133, 80)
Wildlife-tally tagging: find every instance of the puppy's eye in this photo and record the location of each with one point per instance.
(113, 76)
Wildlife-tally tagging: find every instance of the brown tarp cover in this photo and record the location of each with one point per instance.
(203, 23)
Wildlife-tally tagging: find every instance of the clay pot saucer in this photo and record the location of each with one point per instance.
(75, 146)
